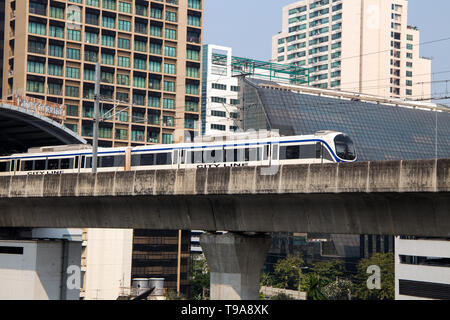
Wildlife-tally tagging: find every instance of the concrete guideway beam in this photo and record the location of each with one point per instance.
(386, 198)
(235, 261)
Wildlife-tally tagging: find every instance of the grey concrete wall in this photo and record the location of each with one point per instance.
(388, 197)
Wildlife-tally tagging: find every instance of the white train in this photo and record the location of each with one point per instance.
(322, 147)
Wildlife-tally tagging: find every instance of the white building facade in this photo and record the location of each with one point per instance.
(106, 263)
(422, 269)
(220, 92)
(40, 269)
(361, 46)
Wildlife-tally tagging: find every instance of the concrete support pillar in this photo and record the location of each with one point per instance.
(235, 262)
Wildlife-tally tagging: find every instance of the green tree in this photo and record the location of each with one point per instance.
(315, 285)
(200, 279)
(340, 289)
(287, 272)
(329, 271)
(266, 280)
(386, 263)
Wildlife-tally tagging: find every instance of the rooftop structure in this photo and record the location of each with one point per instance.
(383, 129)
(220, 87)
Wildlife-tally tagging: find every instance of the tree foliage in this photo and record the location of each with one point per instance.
(327, 279)
(200, 280)
(329, 271)
(340, 289)
(315, 286)
(288, 272)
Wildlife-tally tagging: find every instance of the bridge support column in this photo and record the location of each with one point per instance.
(235, 261)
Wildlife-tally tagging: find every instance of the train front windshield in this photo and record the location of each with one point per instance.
(345, 148)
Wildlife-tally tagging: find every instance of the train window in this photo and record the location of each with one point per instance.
(89, 162)
(13, 165)
(147, 159)
(198, 157)
(213, 156)
(107, 161)
(275, 152)
(119, 161)
(135, 160)
(308, 151)
(4, 166)
(27, 165)
(345, 148)
(82, 161)
(319, 150)
(252, 154)
(53, 164)
(266, 152)
(194, 157)
(76, 162)
(39, 165)
(232, 155)
(67, 163)
(183, 156)
(326, 155)
(163, 158)
(289, 152)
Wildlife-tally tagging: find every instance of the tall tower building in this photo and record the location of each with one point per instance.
(362, 46)
(150, 64)
(150, 55)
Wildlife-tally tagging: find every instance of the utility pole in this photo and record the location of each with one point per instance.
(436, 134)
(96, 118)
(179, 263)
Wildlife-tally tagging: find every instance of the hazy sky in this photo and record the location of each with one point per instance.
(248, 26)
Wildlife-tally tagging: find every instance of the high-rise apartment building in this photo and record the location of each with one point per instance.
(150, 55)
(362, 46)
(150, 64)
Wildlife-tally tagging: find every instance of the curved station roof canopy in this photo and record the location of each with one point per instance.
(22, 128)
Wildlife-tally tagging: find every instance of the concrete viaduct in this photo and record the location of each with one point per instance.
(386, 197)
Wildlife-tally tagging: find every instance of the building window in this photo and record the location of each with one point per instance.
(73, 54)
(169, 86)
(72, 91)
(218, 127)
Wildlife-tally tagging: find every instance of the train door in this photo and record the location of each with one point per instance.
(82, 164)
(265, 157)
(17, 168)
(319, 152)
(176, 159)
(274, 153)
